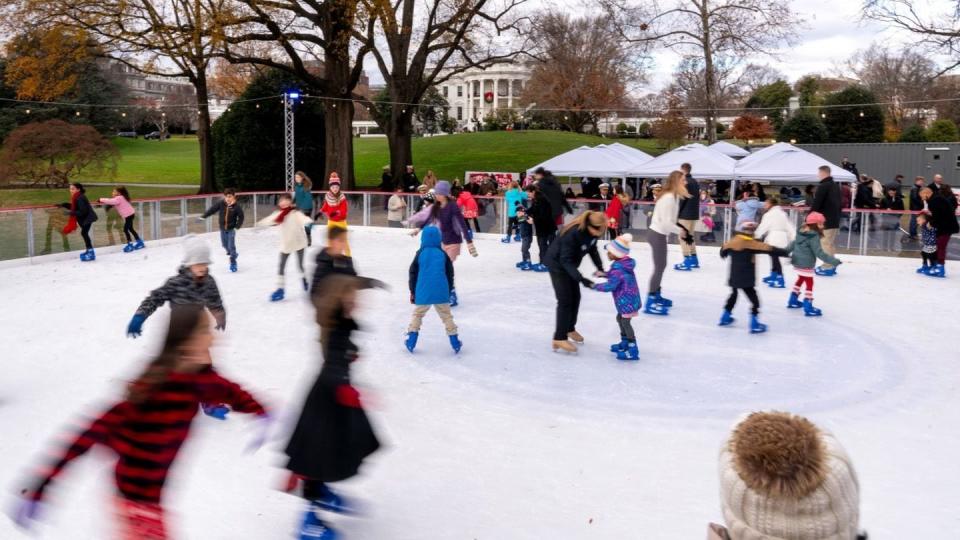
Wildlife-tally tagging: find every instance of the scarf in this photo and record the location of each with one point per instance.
(283, 214)
(72, 222)
(333, 200)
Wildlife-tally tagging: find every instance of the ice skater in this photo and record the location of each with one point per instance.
(742, 250)
(332, 259)
(83, 216)
(525, 234)
(431, 281)
(230, 220)
(120, 201)
(303, 198)
(147, 429)
(806, 251)
(928, 239)
(622, 282)
(663, 223)
(775, 229)
(514, 198)
(293, 239)
(335, 206)
(544, 224)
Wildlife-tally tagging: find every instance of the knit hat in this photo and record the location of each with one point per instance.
(195, 251)
(442, 188)
(747, 226)
(334, 178)
(815, 218)
(782, 477)
(620, 246)
(423, 188)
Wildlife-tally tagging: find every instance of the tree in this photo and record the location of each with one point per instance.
(672, 128)
(898, 78)
(849, 118)
(942, 131)
(756, 75)
(432, 111)
(716, 31)
(50, 153)
(914, 133)
(180, 110)
(804, 127)
(583, 69)
(808, 89)
(772, 99)
(689, 81)
(748, 127)
(934, 31)
(229, 81)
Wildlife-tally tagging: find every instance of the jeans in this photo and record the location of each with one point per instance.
(228, 239)
(525, 247)
(567, 292)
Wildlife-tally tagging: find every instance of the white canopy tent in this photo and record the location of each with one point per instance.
(785, 163)
(634, 154)
(729, 149)
(704, 162)
(587, 162)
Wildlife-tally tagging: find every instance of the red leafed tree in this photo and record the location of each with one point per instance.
(747, 127)
(51, 153)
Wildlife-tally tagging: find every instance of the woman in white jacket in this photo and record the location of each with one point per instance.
(777, 230)
(663, 223)
(293, 239)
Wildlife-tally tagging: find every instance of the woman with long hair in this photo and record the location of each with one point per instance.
(303, 199)
(120, 201)
(663, 223)
(576, 239)
(83, 216)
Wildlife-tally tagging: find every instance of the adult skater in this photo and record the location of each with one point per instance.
(82, 215)
(544, 224)
(576, 239)
(303, 198)
(663, 223)
(828, 201)
(943, 218)
(689, 215)
(550, 188)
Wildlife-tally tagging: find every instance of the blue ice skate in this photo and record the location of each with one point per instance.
(756, 327)
(923, 270)
(139, 245)
(654, 308)
(505, 239)
(540, 267)
(411, 341)
(630, 352)
(809, 310)
(526, 266)
(88, 256)
(769, 278)
(661, 300)
(938, 270)
(128, 248)
(313, 528)
(333, 502)
(777, 282)
(218, 410)
(726, 319)
(455, 343)
(686, 265)
(453, 298)
(620, 345)
(277, 295)
(233, 265)
(521, 263)
(794, 301)
(826, 272)
(516, 238)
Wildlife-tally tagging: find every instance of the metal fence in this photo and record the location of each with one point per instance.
(35, 231)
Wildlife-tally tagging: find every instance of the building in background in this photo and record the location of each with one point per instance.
(476, 93)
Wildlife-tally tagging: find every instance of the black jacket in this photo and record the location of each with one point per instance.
(894, 203)
(690, 208)
(916, 203)
(386, 182)
(742, 250)
(864, 197)
(567, 251)
(328, 264)
(600, 207)
(229, 217)
(184, 288)
(550, 189)
(84, 213)
(827, 201)
(943, 215)
(542, 214)
(410, 182)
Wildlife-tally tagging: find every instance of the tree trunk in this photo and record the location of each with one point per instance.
(204, 135)
(338, 141)
(400, 139)
(709, 75)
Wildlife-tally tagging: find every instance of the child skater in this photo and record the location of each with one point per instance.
(333, 434)
(82, 215)
(928, 237)
(120, 201)
(293, 239)
(303, 198)
(230, 219)
(514, 198)
(742, 249)
(622, 282)
(525, 233)
(147, 428)
(335, 206)
(468, 206)
(806, 251)
(776, 230)
(431, 280)
(545, 225)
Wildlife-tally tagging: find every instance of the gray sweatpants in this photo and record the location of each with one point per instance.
(626, 328)
(658, 247)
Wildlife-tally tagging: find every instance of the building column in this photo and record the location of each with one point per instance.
(510, 93)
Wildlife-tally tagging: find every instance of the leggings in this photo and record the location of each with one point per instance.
(626, 328)
(929, 259)
(128, 228)
(512, 227)
(85, 233)
(283, 265)
(777, 267)
(942, 241)
(801, 281)
(751, 294)
(476, 224)
(543, 244)
(658, 247)
(567, 292)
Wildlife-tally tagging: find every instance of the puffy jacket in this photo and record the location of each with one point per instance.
(864, 197)
(122, 205)
(468, 205)
(230, 216)
(742, 249)
(622, 282)
(293, 237)
(775, 228)
(542, 214)
(550, 189)
(513, 198)
(614, 212)
(303, 199)
(747, 210)
(827, 201)
(336, 211)
(807, 249)
(567, 251)
(328, 264)
(690, 208)
(185, 288)
(943, 215)
(431, 273)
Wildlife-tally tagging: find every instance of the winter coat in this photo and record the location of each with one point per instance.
(864, 197)
(292, 235)
(335, 211)
(468, 205)
(690, 208)
(327, 264)
(776, 228)
(566, 252)
(600, 207)
(431, 272)
(185, 288)
(827, 200)
(542, 214)
(121, 204)
(410, 182)
(622, 282)
(916, 203)
(943, 215)
(550, 189)
(386, 183)
(230, 216)
(452, 225)
(747, 210)
(333, 434)
(523, 228)
(395, 208)
(807, 249)
(423, 217)
(302, 198)
(665, 213)
(928, 236)
(514, 197)
(614, 212)
(84, 213)
(894, 203)
(742, 249)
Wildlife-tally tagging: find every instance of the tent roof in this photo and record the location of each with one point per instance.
(729, 149)
(587, 161)
(705, 162)
(630, 151)
(783, 162)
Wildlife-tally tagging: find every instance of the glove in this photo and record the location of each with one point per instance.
(218, 411)
(470, 237)
(472, 249)
(263, 424)
(688, 239)
(64, 205)
(348, 396)
(135, 328)
(222, 326)
(587, 283)
(26, 512)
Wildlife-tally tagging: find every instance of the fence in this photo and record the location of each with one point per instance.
(34, 231)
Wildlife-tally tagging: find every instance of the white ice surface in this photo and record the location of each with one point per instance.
(507, 440)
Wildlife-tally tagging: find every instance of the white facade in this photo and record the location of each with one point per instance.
(476, 93)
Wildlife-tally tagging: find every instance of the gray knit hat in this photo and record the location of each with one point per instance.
(195, 251)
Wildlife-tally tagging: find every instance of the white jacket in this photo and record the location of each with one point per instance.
(395, 207)
(776, 228)
(665, 212)
(293, 237)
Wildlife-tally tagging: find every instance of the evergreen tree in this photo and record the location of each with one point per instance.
(850, 120)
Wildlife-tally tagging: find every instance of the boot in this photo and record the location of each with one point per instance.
(923, 270)
(777, 282)
(825, 272)
(769, 278)
(619, 346)
(663, 301)
(575, 336)
(233, 265)
(794, 302)
(726, 319)
(756, 327)
(128, 248)
(277, 295)
(694, 261)
(505, 239)
(526, 266)
(685, 266)
(564, 346)
(139, 245)
(455, 343)
(630, 353)
(654, 308)
(938, 270)
(411, 341)
(539, 267)
(453, 298)
(809, 310)
(313, 528)
(88, 256)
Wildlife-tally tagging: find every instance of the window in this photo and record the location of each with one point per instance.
(459, 91)
(444, 91)
(936, 157)
(958, 162)
(460, 117)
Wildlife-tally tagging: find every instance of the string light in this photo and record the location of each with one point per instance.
(258, 105)
(793, 141)
(77, 113)
(823, 115)
(861, 114)
(28, 111)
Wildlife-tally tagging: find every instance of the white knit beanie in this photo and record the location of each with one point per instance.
(782, 478)
(195, 251)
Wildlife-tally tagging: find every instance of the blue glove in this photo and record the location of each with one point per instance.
(135, 328)
(25, 513)
(218, 411)
(469, 235)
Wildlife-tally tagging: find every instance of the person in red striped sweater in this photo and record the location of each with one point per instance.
(147, 428)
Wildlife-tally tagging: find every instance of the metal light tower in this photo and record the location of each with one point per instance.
(288, 141)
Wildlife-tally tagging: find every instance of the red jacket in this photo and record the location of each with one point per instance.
(335, 212)
(147, 436)
(614, 209)
(468, 205)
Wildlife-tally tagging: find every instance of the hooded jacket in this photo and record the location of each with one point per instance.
(184, 288)
(807, 249)
(775, 228)
(431, 272)
(742, 249)
(622, 282)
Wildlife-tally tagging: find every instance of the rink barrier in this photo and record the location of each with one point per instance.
(31, 231)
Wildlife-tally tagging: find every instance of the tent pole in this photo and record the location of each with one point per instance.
(732, 200)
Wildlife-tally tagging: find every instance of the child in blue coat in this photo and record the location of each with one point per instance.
(622, 282)
(514, 198)
(431, 280)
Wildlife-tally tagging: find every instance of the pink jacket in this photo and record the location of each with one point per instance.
(121, 205)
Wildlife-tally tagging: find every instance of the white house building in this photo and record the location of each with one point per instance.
(476, 93)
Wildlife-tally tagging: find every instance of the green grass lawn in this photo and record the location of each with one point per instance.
(31, 197)
(173, 161)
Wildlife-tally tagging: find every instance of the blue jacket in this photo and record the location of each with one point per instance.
(513, 198)
(747, 210)
(303, 199)
(622, 282)
(431, 273)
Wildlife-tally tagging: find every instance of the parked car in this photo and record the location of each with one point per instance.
(127, 134)
(160, 136)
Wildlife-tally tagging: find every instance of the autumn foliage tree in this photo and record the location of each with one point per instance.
(672, 128)
(52, 153)
(45, 64)
(748, 127)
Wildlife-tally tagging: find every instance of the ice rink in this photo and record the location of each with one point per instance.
(507, 440)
